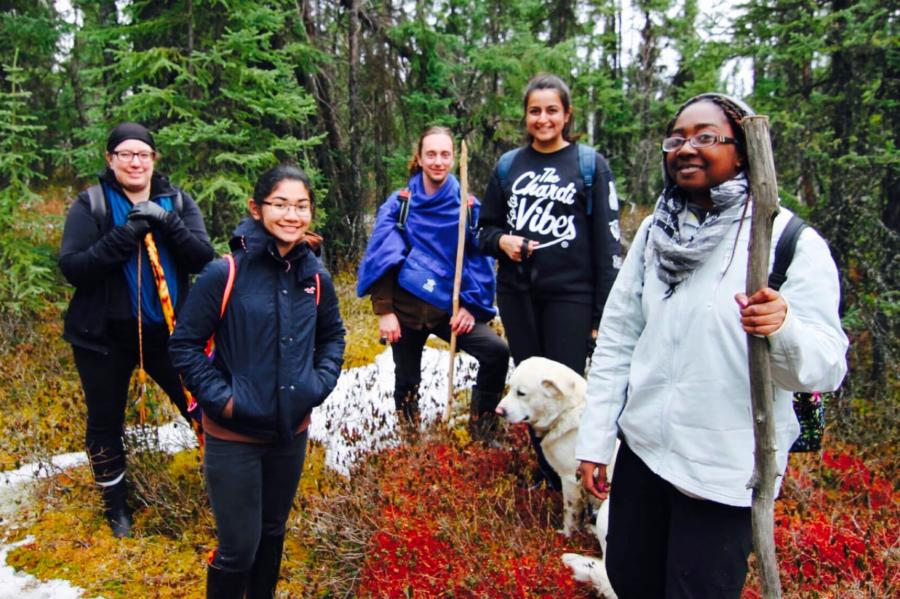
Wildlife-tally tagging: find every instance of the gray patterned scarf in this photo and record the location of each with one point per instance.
(676, 258)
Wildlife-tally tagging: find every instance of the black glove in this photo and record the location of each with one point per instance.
(136, 227)
(149, 211)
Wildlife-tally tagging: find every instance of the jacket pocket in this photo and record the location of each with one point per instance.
(250, 407)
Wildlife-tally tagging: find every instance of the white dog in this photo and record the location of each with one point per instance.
(550, 397)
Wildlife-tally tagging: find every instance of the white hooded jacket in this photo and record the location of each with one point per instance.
(672, 374)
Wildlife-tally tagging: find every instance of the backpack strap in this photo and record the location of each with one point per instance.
(784, 251)
(226, 295)
(403, 198)
(587, 163)
(318, 288)
(503, 166)
(97, 201)
(229, 283)
(177, 202)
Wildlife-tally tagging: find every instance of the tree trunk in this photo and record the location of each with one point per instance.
(354, 197)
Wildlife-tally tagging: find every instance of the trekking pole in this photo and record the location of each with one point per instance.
(764, 191)
(460, 251)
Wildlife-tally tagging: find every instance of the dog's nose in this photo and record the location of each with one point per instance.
(500, 411)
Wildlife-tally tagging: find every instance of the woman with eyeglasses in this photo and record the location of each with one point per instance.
(550, 217)
(279, 346)
(670, 372)
(104, 256)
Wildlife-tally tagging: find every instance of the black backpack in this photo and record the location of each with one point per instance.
(809, 407)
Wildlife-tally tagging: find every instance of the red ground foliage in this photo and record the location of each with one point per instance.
(837, 529)
(460, 521)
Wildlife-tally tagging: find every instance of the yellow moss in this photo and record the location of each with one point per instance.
(360, 322)
(73, 542)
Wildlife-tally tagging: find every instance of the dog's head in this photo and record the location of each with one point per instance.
(539, 391)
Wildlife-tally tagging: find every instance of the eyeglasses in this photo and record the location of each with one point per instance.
(283, 207)
(701, 140)
(128, 156)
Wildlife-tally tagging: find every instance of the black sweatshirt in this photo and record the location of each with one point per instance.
(579, 255)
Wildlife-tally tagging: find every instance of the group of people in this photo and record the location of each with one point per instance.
(668, 376)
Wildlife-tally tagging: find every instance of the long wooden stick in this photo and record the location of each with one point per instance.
(764, 191)
(460, 251)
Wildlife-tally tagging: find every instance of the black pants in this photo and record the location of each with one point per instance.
(482, 343)
(550, 328)
(662, 543)
(105, 378)
(251, 488)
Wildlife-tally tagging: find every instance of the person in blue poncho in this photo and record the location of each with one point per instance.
(408, 270)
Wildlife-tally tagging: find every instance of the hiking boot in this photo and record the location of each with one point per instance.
(266, 568)
(116, 509)
(483, 421)
(222, 584)
(407, 405)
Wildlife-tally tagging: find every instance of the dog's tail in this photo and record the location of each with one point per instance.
(592, 570)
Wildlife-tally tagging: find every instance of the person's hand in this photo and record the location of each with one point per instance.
(389, 327)
(512, 246)
(137, 228)
(463, 322)
(593, 479)
(762, 313)
(228, 410)
(149, 211)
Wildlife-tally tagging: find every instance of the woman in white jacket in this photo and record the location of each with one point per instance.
(669, 375)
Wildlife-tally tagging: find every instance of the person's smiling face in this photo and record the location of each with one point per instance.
(285, 213)
(133, 175)
(545, 119)
(697, 170)
(436, 159)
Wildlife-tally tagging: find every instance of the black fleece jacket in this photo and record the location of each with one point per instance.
(92, 254)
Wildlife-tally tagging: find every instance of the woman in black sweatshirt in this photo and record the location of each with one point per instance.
(550, 217)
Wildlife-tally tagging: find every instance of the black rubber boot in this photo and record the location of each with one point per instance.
(266, 567)
(407, 404)
(483, 421)
(116, 509)
(221, 584)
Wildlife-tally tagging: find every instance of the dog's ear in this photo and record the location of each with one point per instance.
(550, 388)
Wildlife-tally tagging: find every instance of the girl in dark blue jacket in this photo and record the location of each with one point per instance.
(279, 349)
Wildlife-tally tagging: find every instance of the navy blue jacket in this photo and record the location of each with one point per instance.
(277, 353)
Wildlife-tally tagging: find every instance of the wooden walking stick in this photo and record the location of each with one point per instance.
(460, 252)
(764, 191)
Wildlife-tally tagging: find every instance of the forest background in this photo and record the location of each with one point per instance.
(343, 87)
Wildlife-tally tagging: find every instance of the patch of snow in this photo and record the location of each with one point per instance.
(18, 585)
